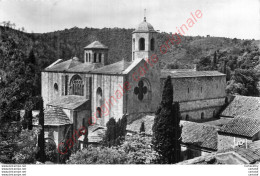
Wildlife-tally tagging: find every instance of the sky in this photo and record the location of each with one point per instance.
(222, 18)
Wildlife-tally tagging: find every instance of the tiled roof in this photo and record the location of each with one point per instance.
(96, 45)
(243, 106)
(187, 74)
(243, 126)
(198, 134)
(84, 67)
(148, 124)
(55, 116)
(96, 133)
(116, 68)
(64, 66)
(70, 102)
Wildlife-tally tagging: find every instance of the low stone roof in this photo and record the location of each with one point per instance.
(195, 134)
(243, 126)
(96, 45)
(148, 124)
(96, 133)
(115, 68)
(200, 135)
(84, 67)
(64, 66)
(55, 116)
(71, 102)
(243, 106)
(189, 74)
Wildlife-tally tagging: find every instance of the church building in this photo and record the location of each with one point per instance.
(77, 93)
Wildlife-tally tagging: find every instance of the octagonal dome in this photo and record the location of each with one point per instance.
(144, 27)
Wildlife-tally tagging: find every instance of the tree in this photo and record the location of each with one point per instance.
(116, 131)
(243, 82)
(177, 132)
(41, 142)
(163, 127)
(142, 128)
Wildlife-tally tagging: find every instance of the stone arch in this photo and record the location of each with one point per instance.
(187, 117)
(202, 115)
(141, 44)
(76, 86)
(133, 44)
(99, 57)
(56, 87)
(95, 57)
(98, 113)
(86, 57)
(152, 44)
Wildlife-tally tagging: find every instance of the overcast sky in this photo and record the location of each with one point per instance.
(226, 18)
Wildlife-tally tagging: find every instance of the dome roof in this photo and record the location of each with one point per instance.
(144, 27)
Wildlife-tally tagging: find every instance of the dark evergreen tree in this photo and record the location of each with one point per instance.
(163, 127)
(110, 135)
(177, 132)
(41, 141)
(142, 128)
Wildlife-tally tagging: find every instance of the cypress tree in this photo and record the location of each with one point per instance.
(177, 131)
(41, 142)
(142, 128)
(163, 127)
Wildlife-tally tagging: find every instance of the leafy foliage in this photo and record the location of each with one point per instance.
(98, 155)
(116, 131)
(136, 149)
(142, 128)
(243, 82)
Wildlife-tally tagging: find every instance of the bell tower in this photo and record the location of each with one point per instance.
(143, 41)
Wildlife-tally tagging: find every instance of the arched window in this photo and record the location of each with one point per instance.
(152, 44)
(188, 90)
(202, 115)
(99, 92)
(99, 58)
(141, 44)
(56, 88)
(98, 112)
(133, 44)
(76, 86)
(86, 57)
(95, 57)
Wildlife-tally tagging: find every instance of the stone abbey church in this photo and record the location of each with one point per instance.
(78, 91)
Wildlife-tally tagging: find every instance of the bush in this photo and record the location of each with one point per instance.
(98, 155)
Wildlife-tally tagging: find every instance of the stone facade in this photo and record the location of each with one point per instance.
(200, 97)
(123, 87)
(226, 141)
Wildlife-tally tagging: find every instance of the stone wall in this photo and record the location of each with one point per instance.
(226, 141)
(151, 80)
(111, 101)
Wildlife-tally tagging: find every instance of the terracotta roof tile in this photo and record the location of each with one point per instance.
(243, 106)
(243, 126)
(199, 134)
(64, 66)
(183, 74)
(55, 116)
(70, 102)
(115, 68)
